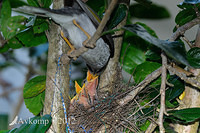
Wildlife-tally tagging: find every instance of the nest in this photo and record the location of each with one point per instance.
(107, 116)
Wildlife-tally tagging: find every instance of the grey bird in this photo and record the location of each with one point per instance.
(97, 58)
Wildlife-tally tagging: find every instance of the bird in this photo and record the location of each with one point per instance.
(78, 24)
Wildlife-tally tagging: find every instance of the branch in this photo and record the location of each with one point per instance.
(139, 87)
(162, 93)
(193, 81)
(181, 30)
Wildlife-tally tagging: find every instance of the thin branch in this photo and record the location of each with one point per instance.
(187, 41)
(91, 42)
(193, 81)
(139, 87)
(103, 23)
(181, 30)
(162, 93)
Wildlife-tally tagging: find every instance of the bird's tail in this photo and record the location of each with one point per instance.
(32, 10)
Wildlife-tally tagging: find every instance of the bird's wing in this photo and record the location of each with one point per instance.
(96, 20)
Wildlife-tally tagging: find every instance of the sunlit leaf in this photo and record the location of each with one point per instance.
(34, 87)
(145, 69)
(131, 56)
(35, 104)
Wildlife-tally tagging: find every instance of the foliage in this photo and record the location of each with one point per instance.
(34, 94)
(185, 115)
(140, 54)
(17, 29)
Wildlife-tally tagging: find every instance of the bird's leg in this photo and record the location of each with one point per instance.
(72, 48)
(86, 33)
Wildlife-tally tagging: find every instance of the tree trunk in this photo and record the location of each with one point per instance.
(53, 104)
(191, 99)
(112, 72)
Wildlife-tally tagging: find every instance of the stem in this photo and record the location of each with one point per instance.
(162, 93)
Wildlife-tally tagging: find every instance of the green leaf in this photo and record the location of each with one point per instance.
(186, 115)
(30, 40)
(5, 15)
(185, 16)
(148, 29)
(33, 3)
(5, 10)
(4, 48)
(37, 124)
(17, 3)
(40, 25)
(145, 125)
(185, 6)
(175, 50)
(118, 16)
(150, 12)
(192, 1)
(177, 90)
(35, 104)
(95, 5)
(144, 69)
(34, 87)
(131, 56)
(14, 43)
(4, 131)
(169, 104)
(193, 56)
(14, 26)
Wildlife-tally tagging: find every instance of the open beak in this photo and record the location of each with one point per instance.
(85, 95)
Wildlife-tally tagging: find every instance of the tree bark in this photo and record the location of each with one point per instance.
(112, 73)
(191, 99)
(53, 104)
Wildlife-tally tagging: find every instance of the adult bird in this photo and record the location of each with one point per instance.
(78, 24)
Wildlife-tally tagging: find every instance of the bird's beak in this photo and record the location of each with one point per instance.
(91, 86)
(85, 95)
